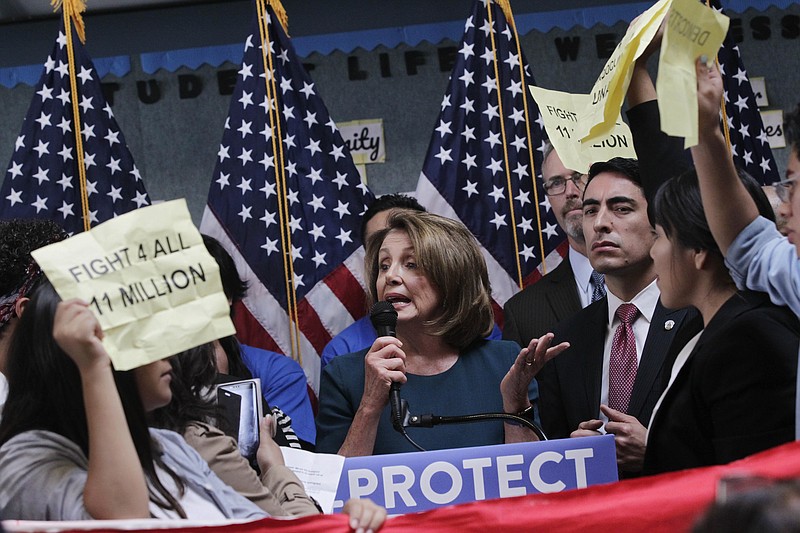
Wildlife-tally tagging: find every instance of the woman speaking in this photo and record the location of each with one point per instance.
(432, 272)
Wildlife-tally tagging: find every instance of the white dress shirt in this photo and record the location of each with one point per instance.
(645, 302)
(582, 271)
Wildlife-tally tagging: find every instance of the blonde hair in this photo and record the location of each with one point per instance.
(449, 256)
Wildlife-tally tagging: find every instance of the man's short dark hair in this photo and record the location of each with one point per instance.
(791, 130)
(386, 202)
(621, 165)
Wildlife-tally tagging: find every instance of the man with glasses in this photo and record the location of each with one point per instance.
(758, 256)
(573, 284)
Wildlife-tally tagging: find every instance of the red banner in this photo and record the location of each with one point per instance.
(668, 502)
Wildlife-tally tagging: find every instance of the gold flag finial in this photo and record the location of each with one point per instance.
(280, 12)
(74, 9)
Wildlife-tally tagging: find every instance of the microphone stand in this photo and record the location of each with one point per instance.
(431, 420)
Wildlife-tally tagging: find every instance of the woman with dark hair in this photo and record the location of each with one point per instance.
(193, 413)
(283, 381)
(74, 442)
(431, 270)
(731, 391)
(19, 275)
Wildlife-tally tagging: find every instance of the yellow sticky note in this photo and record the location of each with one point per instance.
(692, 30)
(561, 113)
(149, 279)
(609, 90)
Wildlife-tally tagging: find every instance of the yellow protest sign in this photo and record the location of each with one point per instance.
(609, 90)
(149, 279)
(561, 113)
(692, 30)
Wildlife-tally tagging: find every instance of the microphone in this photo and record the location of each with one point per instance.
(384, 320)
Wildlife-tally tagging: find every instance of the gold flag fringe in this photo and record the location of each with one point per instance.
(505, 5)
(280, 12)
(73, 8)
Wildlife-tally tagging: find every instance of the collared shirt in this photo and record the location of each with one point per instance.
(582, 271)
(645, 302)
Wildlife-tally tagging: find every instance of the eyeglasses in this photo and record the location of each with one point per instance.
(558, 185)
(784, 189)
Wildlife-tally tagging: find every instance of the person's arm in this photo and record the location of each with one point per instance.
(641, 88)
(115, 485)
(516, 383)
(285, 387)
(278, 492)
(198, 475)
(660, 156)
(383, 364)
(358, 429)
(728, 206)
(277, 479)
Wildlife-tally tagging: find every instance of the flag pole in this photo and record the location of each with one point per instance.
(505, 5)
(505, 147)
(71, 11)
(280, 172)
(723, 111)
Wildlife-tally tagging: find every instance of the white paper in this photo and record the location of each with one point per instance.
(319, 472)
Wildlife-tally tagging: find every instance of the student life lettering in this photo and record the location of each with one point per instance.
(142, 290)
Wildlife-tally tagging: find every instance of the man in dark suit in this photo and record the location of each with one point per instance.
(535, 310)
(575, 384)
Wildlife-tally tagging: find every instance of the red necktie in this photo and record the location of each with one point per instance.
(623, 363)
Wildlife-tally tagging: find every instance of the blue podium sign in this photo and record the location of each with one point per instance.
(412, 482)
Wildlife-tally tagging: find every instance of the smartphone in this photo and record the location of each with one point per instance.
(240, 406)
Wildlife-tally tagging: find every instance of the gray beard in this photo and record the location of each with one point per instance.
(574, 228)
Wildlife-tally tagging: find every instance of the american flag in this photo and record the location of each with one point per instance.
(42, 180)
(485, 153)
(748, 139)
(285, 186)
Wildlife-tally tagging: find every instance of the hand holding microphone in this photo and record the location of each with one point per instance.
(384, 320)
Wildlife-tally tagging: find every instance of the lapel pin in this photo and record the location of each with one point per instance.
(669, 324)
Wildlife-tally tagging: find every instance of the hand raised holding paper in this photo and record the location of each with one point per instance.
(709, 96)
(692, 30)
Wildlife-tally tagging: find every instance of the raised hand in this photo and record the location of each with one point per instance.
(529, 362)
(709, 95)
(77, 332)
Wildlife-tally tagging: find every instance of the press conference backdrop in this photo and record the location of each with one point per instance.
(173, 120)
